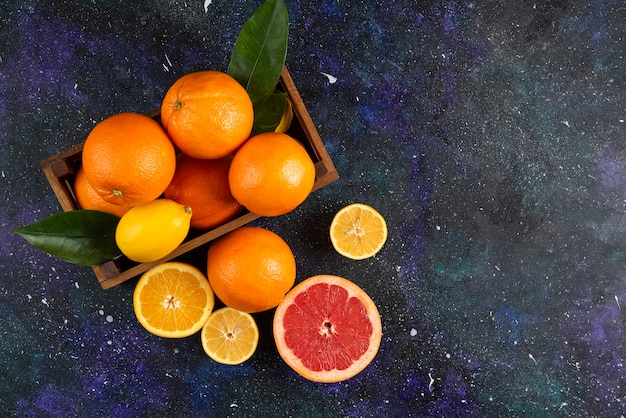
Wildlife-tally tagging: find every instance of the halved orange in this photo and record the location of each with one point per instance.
(230, 336)
(173, 300)
(327, 329)
(358, 231)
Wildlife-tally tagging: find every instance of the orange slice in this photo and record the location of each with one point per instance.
(327, 329)
(173, 300)
(230, 336)
(358, 231)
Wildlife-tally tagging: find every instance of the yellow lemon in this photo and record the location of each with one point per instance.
(358, 231)
(285, 121)
(230, 336)
(149, 232)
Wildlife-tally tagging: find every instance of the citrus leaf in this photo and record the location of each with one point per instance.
(83, 237)
(267, 116)
(260, 51)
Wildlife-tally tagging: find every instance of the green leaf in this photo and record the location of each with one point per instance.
(260, 51)
(83, 237)
(268, 115)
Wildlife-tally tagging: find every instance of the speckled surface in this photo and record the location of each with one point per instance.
(491, 136)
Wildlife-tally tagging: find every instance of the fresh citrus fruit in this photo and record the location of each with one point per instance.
(327, 329)
(203, 186)
(358, 231)
(208, 114)
(251, 269)
(173, 300)
(271, 174)
(128, 159)
(230, 336)
(285, 121)
(88, 198)
(149, 232)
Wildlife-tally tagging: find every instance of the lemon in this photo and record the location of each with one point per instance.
(230, 336)
(358, 231)
(285, 121)
(149, 232)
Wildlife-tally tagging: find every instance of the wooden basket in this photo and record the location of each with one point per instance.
(60, 170)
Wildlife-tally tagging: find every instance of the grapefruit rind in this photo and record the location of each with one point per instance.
(334, 375)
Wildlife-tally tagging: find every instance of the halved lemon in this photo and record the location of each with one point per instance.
(358, 231)
(230, 336)
(173, 300)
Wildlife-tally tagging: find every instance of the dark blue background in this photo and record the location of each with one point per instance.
(491, 136)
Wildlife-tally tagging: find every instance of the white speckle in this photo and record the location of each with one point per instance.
(76, 285)
(530, 356)
(448, 355)
(621, 121)
(233, 405)
(331, 79)
(29, 297)
(101, 312)
(413, 332)
(437, 227)
(109, 342)
(176, 351)
(430, 384)
(497, 268)
(168, 60)
(166, 68)
(207, 3)
(566, 123)
(45, 302)
(109, 318)
(75, 86)
(618, 305)
(168, 375)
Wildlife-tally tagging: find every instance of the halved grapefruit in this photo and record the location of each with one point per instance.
(327, 329)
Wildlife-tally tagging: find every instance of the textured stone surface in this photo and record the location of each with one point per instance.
(489, 134)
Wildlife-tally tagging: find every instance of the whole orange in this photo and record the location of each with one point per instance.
(128, 159)
(88, 198)
(251, 269)
(203, 186)
(208, 114)
(271, 174)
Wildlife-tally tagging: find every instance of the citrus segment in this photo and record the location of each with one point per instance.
(327, 329)
(230, 336)
(149, 232)
(128, 159)
(208, 114)
(251, 269)
(173, 300)
(358, 231)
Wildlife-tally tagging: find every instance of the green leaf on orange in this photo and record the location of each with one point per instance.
(83, 237)
(260, 51)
